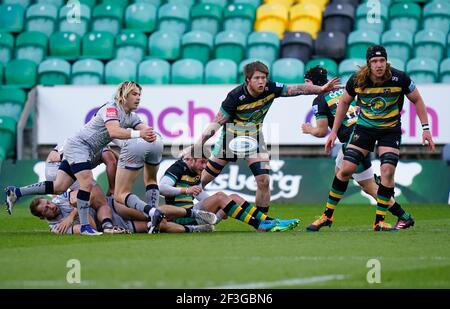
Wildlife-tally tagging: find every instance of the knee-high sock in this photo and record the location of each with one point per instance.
(237, 212)
(336, 193)
(152, 195)
(384, 195)
(44, 187)
(83, 206)
(253, 211)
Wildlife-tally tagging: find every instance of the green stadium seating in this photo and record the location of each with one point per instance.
(436, 15)
(263, 45)
(349, 66)
(221, 71)
(87, 72)
(154, 72)
(239, 17)
(89, 3)
(206, 17)
(118, 70)
(56, 3)
(187, 71)
(366, 20)
(156, 3)
(329, 64)
(21, 73)
(12, 102)
(65, 45)
(1, 73)
(7, 137)
(405, 16)
(107, 17)
(31, 45)
(165, 45)
(221, 3)
(423, 70)
(141, 17)
(358, 42)
(68, 21)
(23, 3)
(254, 3)
(247, 61)
(54, 71)
(131, 44)
(173, 18)
(230, 45)
(42, 18)
(6, 47)
(398, 44)
(197, 45)
(11, 17)
(430, 43)
(98, 45)
(397, 63)
(444, 70)
(288, 70)
(448, 45)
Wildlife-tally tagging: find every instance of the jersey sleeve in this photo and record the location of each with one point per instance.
(407, 83)
(350, 86)
(108, 113)
(135, 120)
(174, 172)
(277, 88)
(228, 106)
(320, 108)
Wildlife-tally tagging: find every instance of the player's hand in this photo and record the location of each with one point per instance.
(148, 134)
(332, 84)
(194, 190)
(306, 128)
(62, 227)
(427, 140)
(330, 142)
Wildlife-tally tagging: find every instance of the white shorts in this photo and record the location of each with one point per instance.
(363, 175)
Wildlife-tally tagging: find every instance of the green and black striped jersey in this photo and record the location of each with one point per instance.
(183, 177)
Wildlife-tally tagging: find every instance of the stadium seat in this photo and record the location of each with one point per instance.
(245, 62)
(56, 3)
(107, 17)
(331, 45)
(239, 17)
(121, 3)
(71, 24)
(156, 3)
(197, 45)
(272, 17)
(118, 70)
(87, 72)
(141, 17)
(338, 17)
(436, 15)
(221, 71)
(423, 70)
(173, 18)
(264, 46)
(358, 41)
(397, 63)
(7, 137)
(326, 63)
(254, 3)
(54, 72)
(286, 3)
(131, 44)
(65, 45)
(230, 45)
(98, 45)
(221, 3)
(353, 3)
(21, 73)
(305, 17)
(405, 16)
(1, 73)
(42, 18)
(367, 17)
(11, 102)
(154, 72)
(288, 70)
(11, 18)
(430, 43)
(444, 70)
(349, 66)
(89, 3)
(165, 45)
(6, 47)
(297, 45)
(31, 45)
(188, 3)
(187, 71)
(398, 43)
(23, 3)
(206, 17)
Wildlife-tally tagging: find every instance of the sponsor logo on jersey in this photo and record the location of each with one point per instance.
(111, 112)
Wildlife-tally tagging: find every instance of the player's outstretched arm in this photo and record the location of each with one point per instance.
(116, 132)
(305, 89)
(320, 130)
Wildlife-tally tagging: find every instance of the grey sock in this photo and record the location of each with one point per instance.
(135, 202)
(152, 196)
(37, 188)
(83, 211)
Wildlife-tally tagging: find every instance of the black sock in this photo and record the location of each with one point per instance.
(188, 213)
(384, 195)
(107, 222)
(336, 193)
(398, 211)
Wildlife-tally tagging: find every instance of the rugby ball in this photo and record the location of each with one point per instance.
(243, 145)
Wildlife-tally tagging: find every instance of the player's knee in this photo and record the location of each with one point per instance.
(263, 181)
(220, 195)
(259, 169)
(387, 171)
(389, 158)
(353, 155)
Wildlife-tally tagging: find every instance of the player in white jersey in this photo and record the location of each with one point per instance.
(110, 122)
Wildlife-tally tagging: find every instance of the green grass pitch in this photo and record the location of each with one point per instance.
(235, 255)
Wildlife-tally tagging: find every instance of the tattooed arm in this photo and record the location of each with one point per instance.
(213, 127)
(294, 90)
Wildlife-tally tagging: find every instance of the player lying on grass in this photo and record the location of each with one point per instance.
(181, 184)
(62, 216)
(324, 108)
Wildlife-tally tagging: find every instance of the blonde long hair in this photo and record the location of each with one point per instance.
(123, 90)
(363, 75)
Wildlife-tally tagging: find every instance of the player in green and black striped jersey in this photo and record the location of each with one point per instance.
(380, 92)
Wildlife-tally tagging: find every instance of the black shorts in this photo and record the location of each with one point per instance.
(222, 151)
(365, 137)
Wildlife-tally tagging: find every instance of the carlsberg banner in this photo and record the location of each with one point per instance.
(296, 181)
